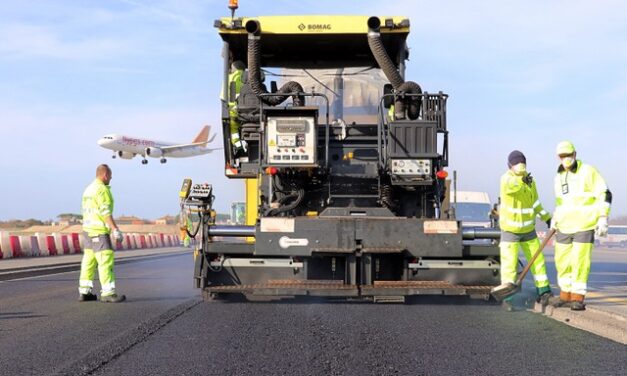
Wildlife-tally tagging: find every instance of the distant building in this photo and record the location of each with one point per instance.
(166, 220)
(130, 220)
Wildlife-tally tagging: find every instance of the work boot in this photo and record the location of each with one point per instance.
(577, 302)
(508, 305)
(87, 297)
(544, 295)
(563, 300)
(115, 298)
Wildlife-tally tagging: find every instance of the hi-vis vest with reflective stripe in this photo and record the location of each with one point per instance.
(579, 198)
(97, 204)
(519, 205)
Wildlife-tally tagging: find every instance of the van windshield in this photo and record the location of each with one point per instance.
(472, 211)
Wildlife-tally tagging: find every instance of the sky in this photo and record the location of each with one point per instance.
(520, 74)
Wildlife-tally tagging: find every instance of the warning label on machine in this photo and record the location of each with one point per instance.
(277, 225)
(440, 227)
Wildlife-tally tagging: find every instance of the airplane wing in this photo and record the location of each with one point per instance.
(169, 149)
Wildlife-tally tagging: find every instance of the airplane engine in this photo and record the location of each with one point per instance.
(125, 155)
(154, 152)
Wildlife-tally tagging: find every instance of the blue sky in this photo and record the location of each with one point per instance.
(520, 75)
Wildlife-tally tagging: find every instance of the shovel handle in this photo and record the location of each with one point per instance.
(535, 256)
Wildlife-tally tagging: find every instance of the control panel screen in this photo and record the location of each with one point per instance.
(291, 140)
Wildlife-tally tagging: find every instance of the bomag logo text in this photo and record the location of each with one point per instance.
(315, 27)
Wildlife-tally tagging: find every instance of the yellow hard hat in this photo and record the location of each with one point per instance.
(565, 147)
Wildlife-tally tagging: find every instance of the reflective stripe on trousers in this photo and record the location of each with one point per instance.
(104, 262)
(509, 261)
(573, 266)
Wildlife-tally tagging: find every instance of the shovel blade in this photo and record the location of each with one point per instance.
(500, 293)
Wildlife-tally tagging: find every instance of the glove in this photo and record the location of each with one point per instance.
(601, 229)
(548, 223)
(117, 235)
(527, 179)
(241, 145)
(553, 224)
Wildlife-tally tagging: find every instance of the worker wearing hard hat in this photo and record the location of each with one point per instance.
(98, 225)
(582, 207)
(235, 81)
(519, 208)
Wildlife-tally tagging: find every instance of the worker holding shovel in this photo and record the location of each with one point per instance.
(519, 207)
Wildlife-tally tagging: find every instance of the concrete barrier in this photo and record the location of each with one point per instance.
(5, 245)
(51, 245)
(127, 242)
(65, 244)
(57, 243)
(25, 245)
(133, 240)
(81, 240)
(43, 244)
(34, 246)
(142, 241)
(149, 241)
(76, 242)
(157, 241)
(15, 245)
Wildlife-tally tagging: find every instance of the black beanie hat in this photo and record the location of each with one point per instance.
(515, 158)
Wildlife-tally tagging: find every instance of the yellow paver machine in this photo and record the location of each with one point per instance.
(344, 161)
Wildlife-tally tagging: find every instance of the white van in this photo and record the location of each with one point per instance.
(616, 237)
(472, 208)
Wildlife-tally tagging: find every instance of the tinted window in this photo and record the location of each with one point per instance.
(472, 211)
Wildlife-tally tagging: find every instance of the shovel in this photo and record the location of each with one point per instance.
(500, 293)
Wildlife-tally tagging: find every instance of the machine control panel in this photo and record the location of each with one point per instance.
(411, 167)
(291, 140)
(201, 192)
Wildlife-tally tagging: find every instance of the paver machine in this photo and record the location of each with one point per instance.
(344, 166)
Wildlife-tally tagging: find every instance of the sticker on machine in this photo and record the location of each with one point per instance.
(277, 225)
(440, 227)
(286, 242)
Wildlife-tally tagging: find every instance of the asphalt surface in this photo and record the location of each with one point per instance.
(164, 329)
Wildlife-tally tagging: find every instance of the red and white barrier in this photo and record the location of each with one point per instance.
(41, 244)
(34, 246)
(5, 245)
(51, 245)
(16, 247)
(76, 243)
(25, 245)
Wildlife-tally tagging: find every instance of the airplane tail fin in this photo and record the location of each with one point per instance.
(203, 135)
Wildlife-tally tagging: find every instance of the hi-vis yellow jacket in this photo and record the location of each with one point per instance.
(97, 204)
(519, 205)
(581, 197)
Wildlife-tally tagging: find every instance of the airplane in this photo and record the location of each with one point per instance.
(127, 147)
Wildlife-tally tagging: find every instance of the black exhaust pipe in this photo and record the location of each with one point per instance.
(253, 27)
(389, 69)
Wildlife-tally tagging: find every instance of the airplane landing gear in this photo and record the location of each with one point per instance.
(113, 156)
(163, 160)
(144, 161)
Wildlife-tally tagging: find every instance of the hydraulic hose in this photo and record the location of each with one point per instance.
(253, 28)
(391, 72)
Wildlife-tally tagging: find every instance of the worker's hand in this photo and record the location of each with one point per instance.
(601, 229)
(527, 179)
(118, 236)
(241, 145)
(553, 224)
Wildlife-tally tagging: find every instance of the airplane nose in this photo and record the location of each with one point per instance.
(101, 141)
